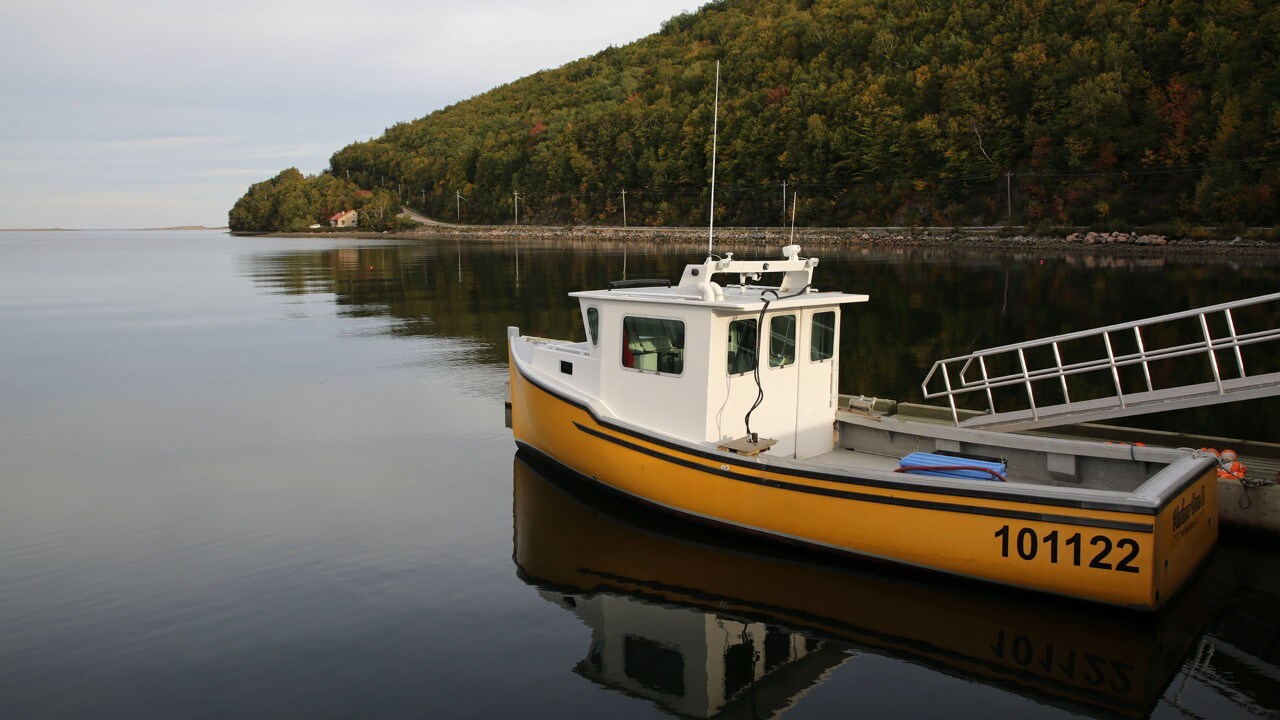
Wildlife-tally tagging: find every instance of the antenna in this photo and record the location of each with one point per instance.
(715, 123)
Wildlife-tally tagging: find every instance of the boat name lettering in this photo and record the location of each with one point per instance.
(1188, 509)
(1028, 545)
(1071, 664)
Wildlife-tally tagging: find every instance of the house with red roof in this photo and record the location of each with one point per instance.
(346, 218)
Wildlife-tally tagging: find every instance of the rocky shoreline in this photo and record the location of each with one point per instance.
(996, 238)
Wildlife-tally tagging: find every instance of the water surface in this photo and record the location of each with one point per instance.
(259, 477)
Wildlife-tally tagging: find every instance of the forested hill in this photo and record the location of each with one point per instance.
(876, 112)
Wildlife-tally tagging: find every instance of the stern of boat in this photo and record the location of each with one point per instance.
(1186, 530)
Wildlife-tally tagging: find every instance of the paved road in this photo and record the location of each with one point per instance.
(419, 217)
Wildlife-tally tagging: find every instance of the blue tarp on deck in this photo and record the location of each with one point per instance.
(921, 463)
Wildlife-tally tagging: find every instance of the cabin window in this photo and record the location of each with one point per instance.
(742, 346)
(782, 340)
(653, 345)
(822, 345)
(593, 324)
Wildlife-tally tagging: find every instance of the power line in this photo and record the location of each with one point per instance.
(856, 181)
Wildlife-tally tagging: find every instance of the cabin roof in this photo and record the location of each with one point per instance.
(698, 288)
(735, 299)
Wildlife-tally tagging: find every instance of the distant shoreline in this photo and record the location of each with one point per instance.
(995, 238)
(62, 229)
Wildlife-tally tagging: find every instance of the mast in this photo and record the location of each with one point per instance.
(715, 122)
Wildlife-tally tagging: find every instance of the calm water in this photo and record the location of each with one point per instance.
(253, 477)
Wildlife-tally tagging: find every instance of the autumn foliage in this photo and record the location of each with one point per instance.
(876, 112)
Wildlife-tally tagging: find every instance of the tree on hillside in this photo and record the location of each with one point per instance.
(876, 111)
(292, 202)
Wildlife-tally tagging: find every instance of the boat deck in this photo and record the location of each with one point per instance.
(1253, 507)
(844, 459)
(855, 460)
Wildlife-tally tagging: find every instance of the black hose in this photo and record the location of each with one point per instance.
(759, 387)
(759, 335)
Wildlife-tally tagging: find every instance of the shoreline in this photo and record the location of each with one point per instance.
(138, 229)
(879, 237)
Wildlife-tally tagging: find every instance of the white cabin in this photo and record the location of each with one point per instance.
(682, 360)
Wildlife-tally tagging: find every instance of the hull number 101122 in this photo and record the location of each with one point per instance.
(1072, 549)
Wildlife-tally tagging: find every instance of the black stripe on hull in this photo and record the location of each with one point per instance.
(868, 497)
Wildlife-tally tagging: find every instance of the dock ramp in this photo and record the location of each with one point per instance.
(1215, 354)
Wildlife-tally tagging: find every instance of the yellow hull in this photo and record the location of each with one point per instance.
(1116, 555)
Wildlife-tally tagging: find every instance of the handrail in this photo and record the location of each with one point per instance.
(1027, 376)
(1180, 315)
(564, 346)
(1088, 366)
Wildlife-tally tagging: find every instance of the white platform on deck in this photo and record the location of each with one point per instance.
(854, 460)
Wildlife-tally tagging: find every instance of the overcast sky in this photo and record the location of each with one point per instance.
(154, 113)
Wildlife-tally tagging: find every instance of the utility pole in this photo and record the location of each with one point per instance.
(516, 195)
(784, 203)
(795, 199)
(624, 207)
(458, 202)
(1008, 189)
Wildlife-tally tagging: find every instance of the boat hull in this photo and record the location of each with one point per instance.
(1135, 557)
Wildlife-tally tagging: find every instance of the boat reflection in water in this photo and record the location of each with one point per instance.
(709, 625)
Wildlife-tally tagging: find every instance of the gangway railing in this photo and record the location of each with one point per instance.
(1036, 373)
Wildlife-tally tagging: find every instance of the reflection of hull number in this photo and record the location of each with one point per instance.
(1027, 545)
(1095, 670)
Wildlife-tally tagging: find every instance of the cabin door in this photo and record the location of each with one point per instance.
(816, 394)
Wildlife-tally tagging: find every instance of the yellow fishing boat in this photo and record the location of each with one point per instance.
(715, 398)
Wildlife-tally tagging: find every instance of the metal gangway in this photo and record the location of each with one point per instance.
(1185, 359)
